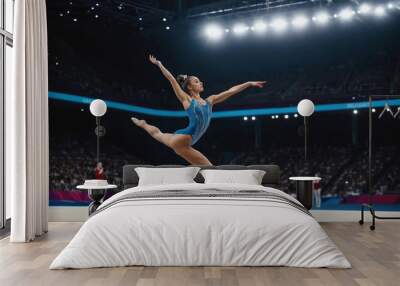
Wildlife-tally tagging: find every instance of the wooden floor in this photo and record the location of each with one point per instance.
(375, 257)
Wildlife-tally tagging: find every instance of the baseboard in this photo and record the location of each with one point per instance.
(68, 214)
(80, 214)
(345, 216)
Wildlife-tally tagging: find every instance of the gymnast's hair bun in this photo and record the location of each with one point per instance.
(181, 79)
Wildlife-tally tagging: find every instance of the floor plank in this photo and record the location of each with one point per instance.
(375, 257)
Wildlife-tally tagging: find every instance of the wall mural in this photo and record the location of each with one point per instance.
(238, 103)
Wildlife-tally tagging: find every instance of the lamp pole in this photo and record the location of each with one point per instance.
(100, 131)
(306, 108)
(98, 108)
(305, 139)
(98, 138)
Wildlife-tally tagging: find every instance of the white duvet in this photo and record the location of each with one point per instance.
(206, 231)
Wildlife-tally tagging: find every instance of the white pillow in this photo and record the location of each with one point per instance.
(248, 177)
(164, 176)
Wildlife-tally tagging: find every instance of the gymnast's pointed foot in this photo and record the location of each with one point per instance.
(138, 122)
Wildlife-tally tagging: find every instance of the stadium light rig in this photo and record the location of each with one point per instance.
(240, 29)
(280, 24)
(300, 22)
(321, 18)
(214, 32)
(380, 11)
(365, 9)
(346, 14)
(259, 26)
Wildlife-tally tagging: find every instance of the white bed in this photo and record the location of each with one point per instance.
(203, 231)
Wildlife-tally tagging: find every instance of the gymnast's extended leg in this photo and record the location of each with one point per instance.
(177, 142)
(154, 131)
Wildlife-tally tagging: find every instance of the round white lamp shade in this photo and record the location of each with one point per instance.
(98, 107)
(305, 107)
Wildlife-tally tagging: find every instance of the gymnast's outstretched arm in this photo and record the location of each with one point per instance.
(180, 93)
(220, 97)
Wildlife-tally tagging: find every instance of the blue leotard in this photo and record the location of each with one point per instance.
(199, 120)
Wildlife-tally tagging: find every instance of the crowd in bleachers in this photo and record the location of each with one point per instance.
(344, 170)
(354, 179)
(73, 162)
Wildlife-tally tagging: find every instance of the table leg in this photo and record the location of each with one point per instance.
(304, 193)
(96, 196)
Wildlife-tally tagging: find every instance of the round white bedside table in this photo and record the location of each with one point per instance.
(96, 194)
(304, 189)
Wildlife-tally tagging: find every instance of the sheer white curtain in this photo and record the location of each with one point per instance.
(27, 142)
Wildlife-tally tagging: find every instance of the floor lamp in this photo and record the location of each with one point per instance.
(306, 109)
(98, 108)
(304, 183)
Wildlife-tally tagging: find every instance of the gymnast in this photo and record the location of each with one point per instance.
(199, 110)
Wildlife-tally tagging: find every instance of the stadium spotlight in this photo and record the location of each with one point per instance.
(379, 11)
(245, 118)
(296, 115)
(276, 116)
(390, 5)
(259, 26)
(286, 116)
(227, 30)
(253, 118)
(240, 29)
(373, 110)
(365, 8)
(300, 22)
(214, 32)
(355, 111)
(321, 18)
(346, 14)
(279, 24)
